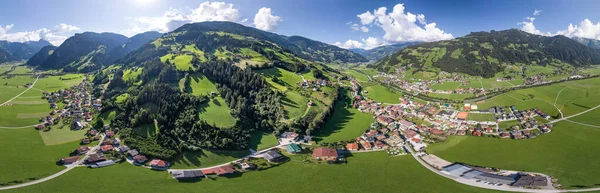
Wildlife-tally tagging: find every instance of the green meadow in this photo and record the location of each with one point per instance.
(344, 124)
(567, 153)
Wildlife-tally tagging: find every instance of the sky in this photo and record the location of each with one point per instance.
(345, 23)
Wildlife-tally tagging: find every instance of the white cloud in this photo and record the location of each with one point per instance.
(368, 43)
(364, 29)
(401, 26)
(265, 20)
(55, 36)
(585, 28)
(174, 18)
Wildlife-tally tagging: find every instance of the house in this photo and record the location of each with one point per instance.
(293, 148)
(272, 156)
(477, 133)
(158, 164)
(410, 133)
(436, 131)
(380, 145)
(82, 150)
(366, 145)
(96, 158)
(222, 170)
(384, 120)
(85, 141)
(188, 174)
(323, 153)
(69, 160)
(40, 126)
(110, 133)
(77, 125)
(289, 135)
(103, 164)
(504, 135)
(381, 137)
(352, 146)
(404, 124)
(248, 166)
(106, 148)
(132, 152)
(140, 159)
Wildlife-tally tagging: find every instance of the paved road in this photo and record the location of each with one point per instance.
(21, 92)
(575, 115)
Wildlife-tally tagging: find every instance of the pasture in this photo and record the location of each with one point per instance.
(566, 153)
(397, 172)
(451, 96)
(382, 94)
(24, 110)
(344, 124)
(216, 112)
(200, 85)
(294, 104)
(60, 134)
(206, 158)
(481, 117)
(449, 86)
(262, 140)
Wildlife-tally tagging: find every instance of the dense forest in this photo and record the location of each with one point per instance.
(486, 53)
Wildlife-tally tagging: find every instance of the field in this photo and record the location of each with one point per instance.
(206, 158)
(566, 153)
(360, 77)
(58, 135)
(54, 83)
(451, 96)
(481, 117)
(262, 140)
(24, 110)
(382, 94)
(575, 96)
(289, 78)
(294, 104)
(21, 70)
(344, 124)
(216, 112)
(200, 85)
(24, 155)
(399, 173)
(449, 86)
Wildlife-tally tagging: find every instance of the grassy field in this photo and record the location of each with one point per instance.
(576, 96)
(24, 110)
(360, 77)
(54, 83)
(446, 86)
(108, 116)
(206, 158)
(24, 155)
(481, 117)
(399, 173)
(262, 140)
(382, 94)
(21, 70)
(216, 112)
(200, 85)
(344, 124)
(588, 118)
(451, 96)
(60, 134)
(294, 104)
(567, 153)
(289, 78)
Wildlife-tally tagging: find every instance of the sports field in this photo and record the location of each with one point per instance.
(387, 174)
(344, 124)
(567, 153)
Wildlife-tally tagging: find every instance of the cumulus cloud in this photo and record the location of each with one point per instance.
(368, 43)
(55, 35)
(584, 29)
(265, 20)
(364, 29)
(401, 26)
(174, 18)
(357, 27)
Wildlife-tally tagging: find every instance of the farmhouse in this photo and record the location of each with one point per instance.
(352, 146)
(140, 159)
(103, 164)
(69, 160)
(82, 150)
(188, 174)
(293, 148)
(226, 169)
(322, 153)
(96, 158)
(272, 156)
(157, 164)
(366, 145)
(530, 181)
(289, 135)
(106, 148)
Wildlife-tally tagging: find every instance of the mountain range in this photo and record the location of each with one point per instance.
(382, 51)
(487, 53)
(588, 42)
(14, 51)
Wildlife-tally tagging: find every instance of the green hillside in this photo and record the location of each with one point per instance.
(487, 53)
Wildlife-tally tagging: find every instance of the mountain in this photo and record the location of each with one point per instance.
(487, 53)
(20, 50)
(89, 51)
(382, 51)
(134, 43)
(216, 84)
(41, 56)
(588, 42)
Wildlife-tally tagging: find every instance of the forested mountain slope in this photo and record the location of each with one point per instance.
(486, 53)
(382, 51)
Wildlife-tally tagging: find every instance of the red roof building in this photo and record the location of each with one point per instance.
(106, 148)
(226, 169)
(366, 145)
(322, 153)
(410, 133)
(140, 158)
(110, 133)
(158, 163)
(70, 160)
(352, 146)
(436, 131)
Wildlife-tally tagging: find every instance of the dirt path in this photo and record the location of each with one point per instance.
(21, 92)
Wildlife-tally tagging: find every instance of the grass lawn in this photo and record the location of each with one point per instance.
(399, 173)
(25, 156)
(60, 134)
(481, 117)
(446, 86)
(262, 140)
(206, 158)
(289, 78)
(108, 116)
(360, 77)
(216, 112)
(588, 118)
(25, 110)
(54, 83)
(382, 94)
(451, 96)
(17, 81)
(344, 124)
(508, 124)
(8, 93)
(566, 153)
(21, 70)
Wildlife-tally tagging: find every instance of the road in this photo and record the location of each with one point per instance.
(575, 115)
(33, 84)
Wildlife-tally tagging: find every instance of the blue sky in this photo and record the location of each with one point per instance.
(330, 21)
